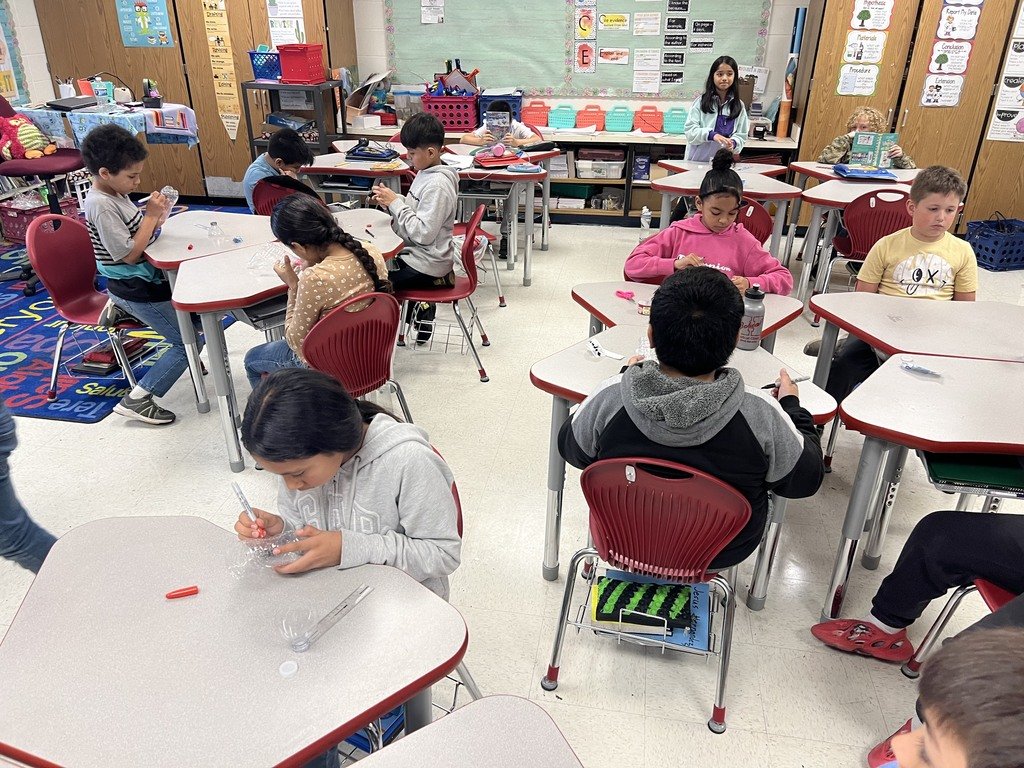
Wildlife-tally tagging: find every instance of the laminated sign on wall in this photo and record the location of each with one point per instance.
(218, 38)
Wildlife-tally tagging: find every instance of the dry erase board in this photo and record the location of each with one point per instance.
(629, 48)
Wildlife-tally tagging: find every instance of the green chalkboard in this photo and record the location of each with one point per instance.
(532, 43)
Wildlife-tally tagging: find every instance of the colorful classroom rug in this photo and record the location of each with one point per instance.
(28, 337)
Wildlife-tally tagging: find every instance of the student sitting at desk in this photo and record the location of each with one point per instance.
(923, 261)
(425, 218)
(285, 155)
(687, 407)
(712, 239)
(336, 267)
(863, 120)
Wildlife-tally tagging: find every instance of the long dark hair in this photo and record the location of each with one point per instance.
(722, 179)
(297, 413)
(709, 99)
(304, 220)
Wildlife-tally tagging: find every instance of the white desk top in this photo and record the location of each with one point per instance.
(599, 299)
(505, 731)
(184, 229)
(755, 185)
(987, 330)
(99, 669)
(575, 372)
(681, 166)
(336, 163)
(839, 193)
(824, 171)
(972, 407)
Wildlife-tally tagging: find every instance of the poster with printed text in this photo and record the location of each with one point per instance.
(676, 23)
(1006, 125)
(647, 59)
(585, 29)
(647, 82)
(958, 22)
(705, 44)
(1018, 28)
(285, 31)
(225, 89)
(673, 58)
(585, 59)
(942, 90)
(613, 22)
(871, 14)
(675, 41)
(144, 23)
(857, 80)
(1015, 58)
(618, 56)
(646, 24)
(678, 6)
(699, 27)
(586, 3)
(1010, 94)
(864, 47)
(949, 57)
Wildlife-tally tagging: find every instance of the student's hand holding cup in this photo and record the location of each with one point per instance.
(786, 386)
(267, 524)
(158, 206)
(383, 195)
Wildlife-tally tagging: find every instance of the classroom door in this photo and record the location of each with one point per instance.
(949, 135)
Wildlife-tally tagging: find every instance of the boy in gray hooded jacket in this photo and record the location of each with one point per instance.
(687, 407)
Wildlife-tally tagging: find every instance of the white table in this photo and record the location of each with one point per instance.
(505, 731)
(606, 309)
(99, 669)
(336, 164)
(985, 330)
(681, 166)
(224, 282)
(972, 407)
(570, 375)
(756, 186)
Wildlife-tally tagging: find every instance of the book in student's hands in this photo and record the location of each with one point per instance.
(630, 606)
(872, 149)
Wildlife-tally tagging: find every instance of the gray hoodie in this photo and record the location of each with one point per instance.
(425, 218)
(392, 502)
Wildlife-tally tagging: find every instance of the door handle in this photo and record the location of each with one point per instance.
(904, 123)
(888, 118)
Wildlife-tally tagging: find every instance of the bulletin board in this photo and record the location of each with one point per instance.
(533, 44)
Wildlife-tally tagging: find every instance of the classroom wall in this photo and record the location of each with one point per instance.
(30, 42)
(371, 49)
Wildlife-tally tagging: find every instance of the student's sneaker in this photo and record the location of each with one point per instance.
(863, 637)
(503, 248)
(144, 409)
(812, 348)
(881, 755)
(425, 322)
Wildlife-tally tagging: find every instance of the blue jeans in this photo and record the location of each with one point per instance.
(21, 540)
(161, 317)
(269, 357)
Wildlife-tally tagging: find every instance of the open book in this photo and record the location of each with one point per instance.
(872, 149)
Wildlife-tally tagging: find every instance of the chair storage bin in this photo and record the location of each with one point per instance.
(619, 119)
(14, 221)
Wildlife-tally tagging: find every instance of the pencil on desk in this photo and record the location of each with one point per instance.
(367, 231)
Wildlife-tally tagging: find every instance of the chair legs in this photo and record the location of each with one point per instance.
(725, 584)
(469, 338)
(550, 681)
(113, 335)
(467, 680)
(51, 393)
(397, 389)
(122, 357)
(913, 667)
(830, 449)
(497, 278)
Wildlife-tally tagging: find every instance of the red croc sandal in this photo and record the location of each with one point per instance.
(882, 753)
(854, 636)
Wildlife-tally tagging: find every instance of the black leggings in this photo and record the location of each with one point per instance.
(951, 549)
(852, 364)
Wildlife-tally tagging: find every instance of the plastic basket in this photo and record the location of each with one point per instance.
(562, 116)
(675, 120)
(302, 63)
(266, 65)
(590, 115)
(485, 101)
(536, 113)
(998, 243)
(619, 119)
(14, 221)
(649, 119)
(456, 113)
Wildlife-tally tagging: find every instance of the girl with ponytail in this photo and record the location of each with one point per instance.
(336, 267)
(712, 239)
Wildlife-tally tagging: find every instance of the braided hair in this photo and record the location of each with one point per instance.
(304, 220)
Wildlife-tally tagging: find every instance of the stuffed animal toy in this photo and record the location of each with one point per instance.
(19, 138)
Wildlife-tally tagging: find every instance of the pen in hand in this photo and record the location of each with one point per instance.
(246, 505)
(775, 384)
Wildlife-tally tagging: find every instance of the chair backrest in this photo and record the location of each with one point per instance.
(756, 220)
(355, 347)
(874, 215)
(536, 131)
(6, 110)
(469, 245)
(660, 518)
(270, 191)
(62, 258)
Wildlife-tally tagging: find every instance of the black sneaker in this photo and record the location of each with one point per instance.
(503, 248)
(425, 322)
(144, 409)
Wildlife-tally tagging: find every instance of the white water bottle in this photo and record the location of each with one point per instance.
(645, 223)
(753, 318)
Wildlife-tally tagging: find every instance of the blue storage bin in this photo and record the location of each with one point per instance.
(675, 120)
(562, 116)
(516, 102)
(619, 120)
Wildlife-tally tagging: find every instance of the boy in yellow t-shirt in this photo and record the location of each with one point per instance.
(924, 261)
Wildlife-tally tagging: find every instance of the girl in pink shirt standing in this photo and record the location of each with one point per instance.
(711, 239)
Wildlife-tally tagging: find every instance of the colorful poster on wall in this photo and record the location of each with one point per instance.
(1015, 58)
(942, 90)
(144, 23)
(586, 28)
(949, 57)
(225, 89)
(864, 47)
(613, 56)
(585, 60)
(958, 22)
(871, 14)
(1006, 125)
(1011, 92)
(614, 22)
(12, 73)
(857, 80)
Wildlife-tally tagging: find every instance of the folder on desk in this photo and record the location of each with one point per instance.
(864, 172)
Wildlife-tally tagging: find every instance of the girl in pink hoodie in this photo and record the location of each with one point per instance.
(711, 239)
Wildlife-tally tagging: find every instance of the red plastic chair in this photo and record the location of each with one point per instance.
(663, 520)
(536, 131)
(756, 220)
(356, 346)
(995, 598)
(270, 191)
(464, 287)
(65, 263)
(460, 231)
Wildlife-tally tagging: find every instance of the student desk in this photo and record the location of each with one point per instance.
(681, 166)
(967, 409)
(505, 731)
(336, 164)
(223, 282)
(606, 309)
(891, 324)
(755, 186)
(99, 669)
(570, 375)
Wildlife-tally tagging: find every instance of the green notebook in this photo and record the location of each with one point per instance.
(975, 470)
(611, 599)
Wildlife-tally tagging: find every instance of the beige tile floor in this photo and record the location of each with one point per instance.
(791, 702)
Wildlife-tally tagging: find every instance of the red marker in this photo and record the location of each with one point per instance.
(183, 592)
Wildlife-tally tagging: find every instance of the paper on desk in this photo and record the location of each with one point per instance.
(457, 161)
(587, 129)
(502, 91)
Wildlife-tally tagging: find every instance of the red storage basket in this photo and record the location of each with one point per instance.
(14, 221)
(535, 113)
(590, 115)
(648, 119)
(302, 63)
(456, 113)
